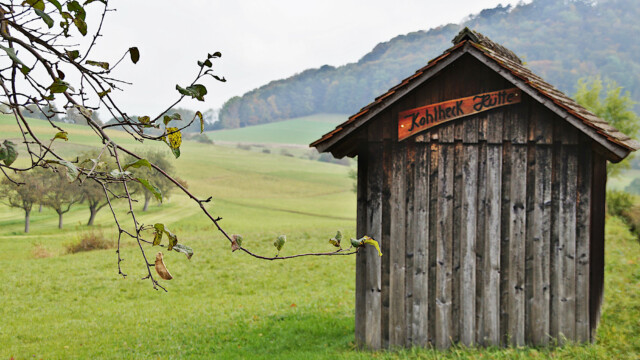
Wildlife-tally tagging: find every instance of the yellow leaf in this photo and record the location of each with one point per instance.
(368, 240)
(175, 137)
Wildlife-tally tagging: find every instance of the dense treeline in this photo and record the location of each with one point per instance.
(561, 41)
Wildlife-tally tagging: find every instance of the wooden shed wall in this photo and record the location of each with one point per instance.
(485, 224)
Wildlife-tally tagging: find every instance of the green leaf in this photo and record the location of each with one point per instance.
(36, 4)
(196, 91)
(104, 93)
(8, 152)
(206, 63)
(279, 242)
(335, 241)
(81, 25)
(176, 152)
(24, 70)
(183, 249)
(159, 230)
(135, 54)
(216, 54)
(168, 118)
(12, 54)
(58, 86)
(78, 9)
(61, 135)
(138, 163)
(102, 64)
(72, 170)
(56, 4)
(73, 54)
(152, 188)
(46, 18)
(173, 239)
(355, 243)
(199, 114)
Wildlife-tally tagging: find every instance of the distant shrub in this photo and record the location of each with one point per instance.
(266, 151)
(625, 206)
(201, 138)
(618, 202)
(327, 157)
(286, 152)
(243, 146)
(90, 240)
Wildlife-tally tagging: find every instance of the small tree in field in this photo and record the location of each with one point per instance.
(165, 186)
(92, 192)
(60, 194)
(23, 192)
(615, 107)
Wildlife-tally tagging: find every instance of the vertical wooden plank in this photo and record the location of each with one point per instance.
(491, 264)
(517, 239)
(361, 259)
(433, 219)
(583, 230)
(541, 246)
(468, 244)
(567, 215)
(494, 126)
(596, 253)
(529, 246)
(385, 262)
(443, 247)
(421, 247)
(410, 235)
(397, 327)
(374, 221)
(455, 246)
(480, 240)
(557, 243)
(505, 225)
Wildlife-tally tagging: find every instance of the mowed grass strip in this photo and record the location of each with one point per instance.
(226, 305)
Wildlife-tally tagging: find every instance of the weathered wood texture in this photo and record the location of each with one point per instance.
(491, 227)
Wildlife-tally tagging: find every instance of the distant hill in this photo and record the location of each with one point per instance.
(561, 41)
(299, 131)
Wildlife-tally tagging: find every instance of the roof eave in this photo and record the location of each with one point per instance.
(615, 153)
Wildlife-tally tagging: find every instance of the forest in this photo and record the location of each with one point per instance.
(562, 41)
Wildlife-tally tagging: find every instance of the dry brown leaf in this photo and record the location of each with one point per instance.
(161, 269)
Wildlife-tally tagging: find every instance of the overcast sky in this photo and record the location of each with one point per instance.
(260, 41)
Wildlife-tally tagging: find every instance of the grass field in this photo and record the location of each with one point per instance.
(301, 131)
(227, 305)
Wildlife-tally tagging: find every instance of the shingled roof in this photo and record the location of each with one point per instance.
(507, 64)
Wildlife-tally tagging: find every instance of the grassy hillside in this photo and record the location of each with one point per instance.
(301, 131)
(224, 305)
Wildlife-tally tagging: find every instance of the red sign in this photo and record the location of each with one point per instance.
(413, 121)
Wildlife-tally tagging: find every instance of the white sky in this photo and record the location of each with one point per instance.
(260, 40)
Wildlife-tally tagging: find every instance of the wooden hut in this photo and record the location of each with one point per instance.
(485, 187)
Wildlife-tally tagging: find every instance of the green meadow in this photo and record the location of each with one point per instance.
(224, 305)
